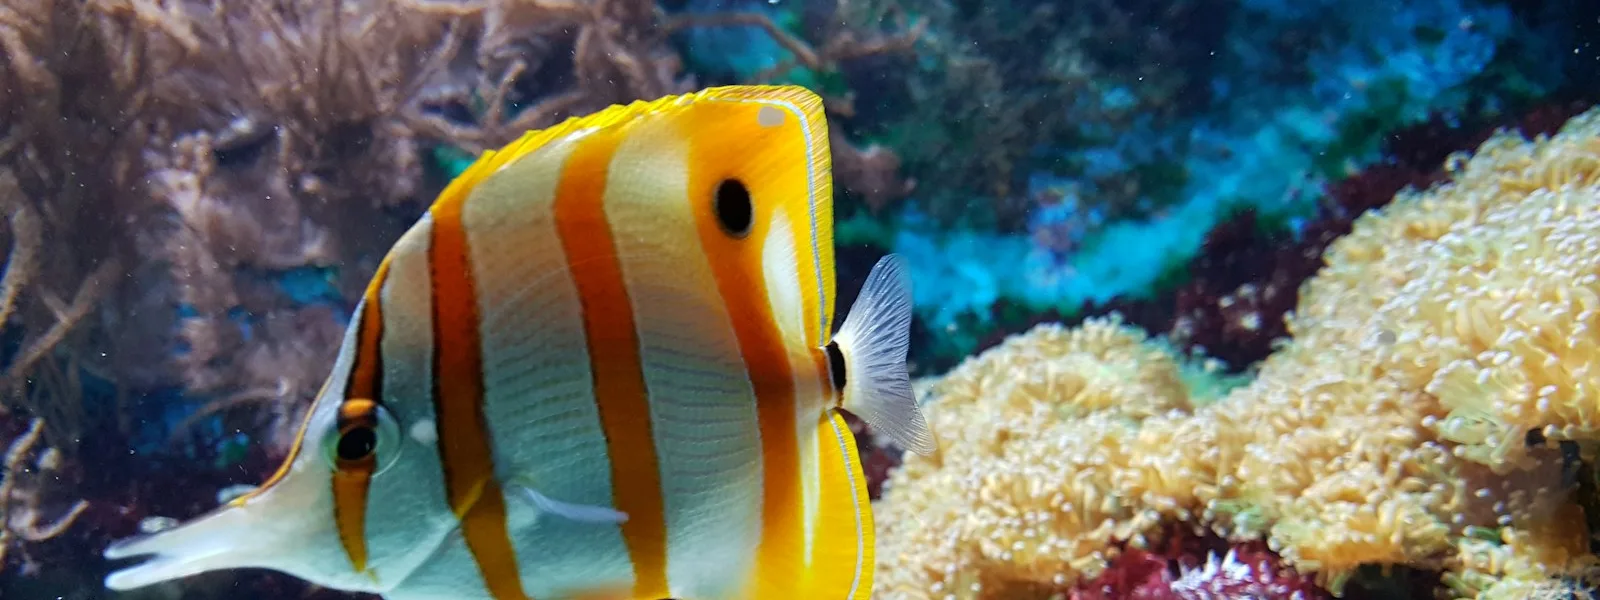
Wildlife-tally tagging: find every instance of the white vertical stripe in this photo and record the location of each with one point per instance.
(702, 403)
(409, 521)
(814, 201)
(780, 271)
(538, 387)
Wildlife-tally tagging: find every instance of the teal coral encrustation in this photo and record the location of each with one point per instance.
(1275, 128)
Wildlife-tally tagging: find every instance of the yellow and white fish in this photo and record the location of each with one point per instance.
(599, 367)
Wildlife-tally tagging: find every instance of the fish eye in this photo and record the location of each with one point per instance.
(366, 430)
(357, 443)
(733, 209)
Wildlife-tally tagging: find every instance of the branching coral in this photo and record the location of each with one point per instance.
(29, 475)
(70, 132)
(328, 90)
(301, 119)
(234, 137)
(39, 381)
(544, 60)
(72, 96)
(556, 58)
(1437, 359)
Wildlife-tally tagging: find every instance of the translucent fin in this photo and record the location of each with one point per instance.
(874, 340)
(582, 513)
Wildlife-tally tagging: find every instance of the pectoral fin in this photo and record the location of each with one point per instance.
(575, 512)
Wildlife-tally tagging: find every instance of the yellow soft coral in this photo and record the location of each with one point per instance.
(1450, 340)
(1047, 456)
(1470, 310)
(1490, 288)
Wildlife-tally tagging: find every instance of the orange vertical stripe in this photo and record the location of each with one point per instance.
(352, 480)
(464, 444)
(782, 549)
(737, 266)
(366, 374)
(619, 386)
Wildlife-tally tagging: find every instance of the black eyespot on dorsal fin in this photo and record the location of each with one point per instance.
(733, 208)
(836, 366)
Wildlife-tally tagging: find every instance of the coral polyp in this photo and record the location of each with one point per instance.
(1437, 362)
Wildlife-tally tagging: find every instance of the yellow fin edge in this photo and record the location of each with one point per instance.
(491, 161)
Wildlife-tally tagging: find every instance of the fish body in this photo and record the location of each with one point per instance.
(600, 366)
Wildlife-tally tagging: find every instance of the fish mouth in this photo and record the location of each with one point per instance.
(278, 528)
(218, 540)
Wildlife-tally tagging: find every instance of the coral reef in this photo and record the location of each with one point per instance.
(1246, 275)
(1117, 205)
(1045, 460)
(75, 85)
(1229, 301)
(998, 86)
(28, 474)
(1439, 362)
(195, 193)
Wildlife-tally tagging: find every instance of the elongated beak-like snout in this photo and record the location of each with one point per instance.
(278, 527)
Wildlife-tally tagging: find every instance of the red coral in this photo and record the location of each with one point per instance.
(1424, 146)
(1135, 575)
(1246, 571)
(1188, 567)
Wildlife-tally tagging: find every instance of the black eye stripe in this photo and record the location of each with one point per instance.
(733, 208)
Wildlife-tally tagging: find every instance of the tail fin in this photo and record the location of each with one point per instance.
(873, 344)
